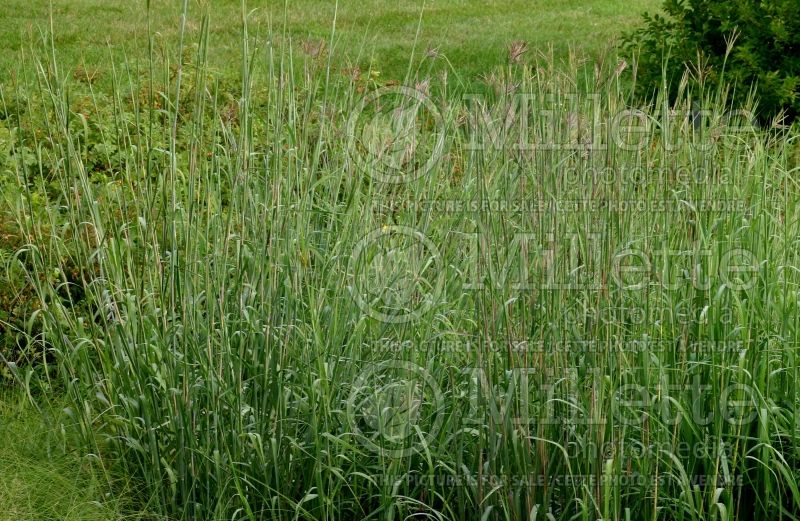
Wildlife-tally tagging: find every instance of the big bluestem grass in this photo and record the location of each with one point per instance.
(294, 314)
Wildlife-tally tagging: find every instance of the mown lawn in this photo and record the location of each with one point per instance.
(42, 477)
(472, 34)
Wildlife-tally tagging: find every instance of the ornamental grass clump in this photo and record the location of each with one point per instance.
(312, 297)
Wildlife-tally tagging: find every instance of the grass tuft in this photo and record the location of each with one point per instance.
(308, 295)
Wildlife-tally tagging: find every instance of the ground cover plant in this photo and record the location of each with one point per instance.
(312, 293)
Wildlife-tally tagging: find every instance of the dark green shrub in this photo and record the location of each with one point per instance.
(697, 33)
